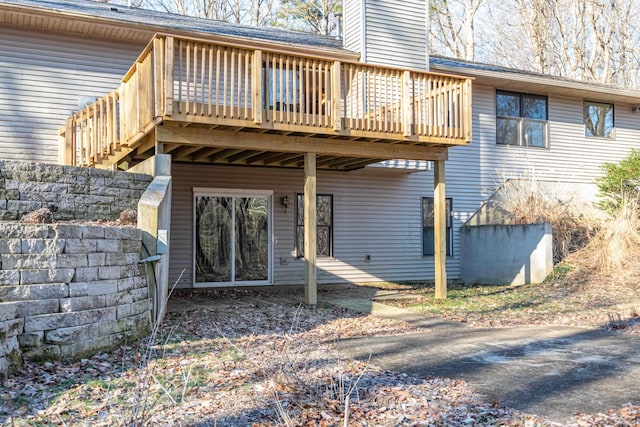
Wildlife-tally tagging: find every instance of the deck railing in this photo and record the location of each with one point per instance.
(195, 81)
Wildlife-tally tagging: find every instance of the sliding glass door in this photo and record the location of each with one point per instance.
(232, 237)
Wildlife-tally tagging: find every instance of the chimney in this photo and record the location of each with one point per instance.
(388, 32)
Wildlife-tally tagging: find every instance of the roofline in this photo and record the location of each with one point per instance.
(239, 41)
(539, 79)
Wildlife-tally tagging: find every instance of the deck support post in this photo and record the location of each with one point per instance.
(440, 229)
(310, 237)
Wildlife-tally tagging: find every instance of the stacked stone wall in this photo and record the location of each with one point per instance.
(70, 192)
(69, 290)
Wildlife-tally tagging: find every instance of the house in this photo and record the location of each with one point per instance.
(363, 132)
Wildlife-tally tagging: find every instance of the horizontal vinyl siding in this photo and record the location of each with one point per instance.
(352, 25)
(42, 75)
(396, 33)
(376, 212)
(570, 157)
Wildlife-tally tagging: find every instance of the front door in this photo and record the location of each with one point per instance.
(232, 237)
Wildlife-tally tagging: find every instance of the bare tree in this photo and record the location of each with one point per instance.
(452, 29)
(315, 16)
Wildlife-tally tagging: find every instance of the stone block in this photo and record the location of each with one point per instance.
(133, 246)
(139, 294)
(68, 305)
(42, 246)
(24, 206)
(88, 274)
(8, 311)
(30, 340)
(99, 211)
(10, 246)
(109, 246)
(116, 272)
(114, 259)
(72, 334)
(24, 231)
(6, 215)
(9, 277)
(129, 194)
(75, 188)
(29, 262)
(105, 191)
(34, 292)
(43, 353)
(92, 232)
(11, 327)
(90, 347)
(132, 283)
(73, 260)
(9, 194)
(56, 275)
(127, 310)
(3, 204)
(101, 287)
(35, 307)
(118, 299)
(46, 322)
(65, 231)
(97, 259)
(80, 246)
(9, 345)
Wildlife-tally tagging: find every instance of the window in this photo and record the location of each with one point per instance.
(598, 119)
(428, 229)
(521, 119)
(324, 224)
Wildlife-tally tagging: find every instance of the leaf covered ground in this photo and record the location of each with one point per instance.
(568, 297)
(260, 365)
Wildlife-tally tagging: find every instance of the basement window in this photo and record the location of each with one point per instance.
(428, 229)
(324, 224)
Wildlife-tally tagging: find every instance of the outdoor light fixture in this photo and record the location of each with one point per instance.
(284, 201)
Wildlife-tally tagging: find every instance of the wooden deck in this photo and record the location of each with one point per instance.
(210, 102)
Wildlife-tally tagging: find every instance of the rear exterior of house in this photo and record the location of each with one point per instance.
(238, 190)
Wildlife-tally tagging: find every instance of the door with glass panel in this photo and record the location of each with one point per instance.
(232, 237)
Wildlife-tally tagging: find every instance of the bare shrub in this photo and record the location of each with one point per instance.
(527, 202)
(40, 216)
(617, 241)
(128, 217)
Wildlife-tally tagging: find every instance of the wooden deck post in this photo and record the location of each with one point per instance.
(336, 96)
(440, 229)
(310, 242)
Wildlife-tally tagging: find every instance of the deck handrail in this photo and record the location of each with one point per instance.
(191, 80)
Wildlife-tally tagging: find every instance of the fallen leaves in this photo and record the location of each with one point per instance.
(263, 365)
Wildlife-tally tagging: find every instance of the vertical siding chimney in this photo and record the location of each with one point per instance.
(388, 32)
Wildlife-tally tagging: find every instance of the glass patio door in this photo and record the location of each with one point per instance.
(232, 238)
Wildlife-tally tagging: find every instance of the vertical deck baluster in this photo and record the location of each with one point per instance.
(216, 83)
(180, 75)
(188, 78)
(274, 85)
(247, 83)
(281, 99)
(232, 79)
(225, 75)
(327, 94)
(209, 80)
(308, 95)
(287, 89)
(294, 93)
(314, 92)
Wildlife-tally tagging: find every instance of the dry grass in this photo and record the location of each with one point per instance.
(617, 242)
(527, 202)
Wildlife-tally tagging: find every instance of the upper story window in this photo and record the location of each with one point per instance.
(521, 119)
(598, 119)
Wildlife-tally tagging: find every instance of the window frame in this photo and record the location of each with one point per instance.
(612, 133)
(522, 120)
(449, 227)
(299, 226)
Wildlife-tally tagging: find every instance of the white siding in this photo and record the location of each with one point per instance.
(42, 76)
(376, 212)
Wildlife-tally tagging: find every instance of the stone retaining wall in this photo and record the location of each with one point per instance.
(68, 290)
(70, 192)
